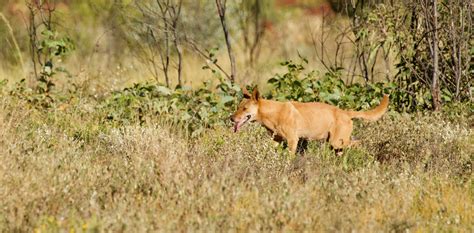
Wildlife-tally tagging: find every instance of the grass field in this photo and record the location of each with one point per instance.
(67, 170)
(108, 147)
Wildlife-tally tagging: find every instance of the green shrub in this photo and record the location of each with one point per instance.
(330, 88)
(211, 105)
(194, 109)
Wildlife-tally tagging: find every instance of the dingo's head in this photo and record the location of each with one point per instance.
(248, 109)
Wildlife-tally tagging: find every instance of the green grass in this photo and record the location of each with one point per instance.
(67, 170)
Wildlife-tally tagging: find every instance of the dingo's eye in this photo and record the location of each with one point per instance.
(245, 108)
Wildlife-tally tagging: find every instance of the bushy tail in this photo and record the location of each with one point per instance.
(374, 114)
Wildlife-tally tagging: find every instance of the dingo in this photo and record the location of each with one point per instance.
(294, 120)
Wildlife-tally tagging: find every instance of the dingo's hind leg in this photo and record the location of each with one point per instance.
(341, 135)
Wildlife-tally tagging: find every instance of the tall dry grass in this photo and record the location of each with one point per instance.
(68, 171)
(12, 41)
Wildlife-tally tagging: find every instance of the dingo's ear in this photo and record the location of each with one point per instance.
(246, 93)
(255, 94)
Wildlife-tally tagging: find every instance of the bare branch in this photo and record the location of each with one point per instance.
(221, 9)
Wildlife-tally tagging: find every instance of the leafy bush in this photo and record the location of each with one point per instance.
(330, 88)
(405, 28)
(195, 109)
(48, 45)
(209, 106)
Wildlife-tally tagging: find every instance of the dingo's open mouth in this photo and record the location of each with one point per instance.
(239, 124)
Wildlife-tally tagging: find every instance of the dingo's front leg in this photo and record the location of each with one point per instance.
(292, 144)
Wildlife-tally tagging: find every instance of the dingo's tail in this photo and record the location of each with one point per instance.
(374, 114)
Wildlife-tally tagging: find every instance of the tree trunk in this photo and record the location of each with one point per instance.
(175, 17)
(180, 60)
(221, 10)
(435, 89)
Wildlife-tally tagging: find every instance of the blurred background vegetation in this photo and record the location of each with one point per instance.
(335, 51)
